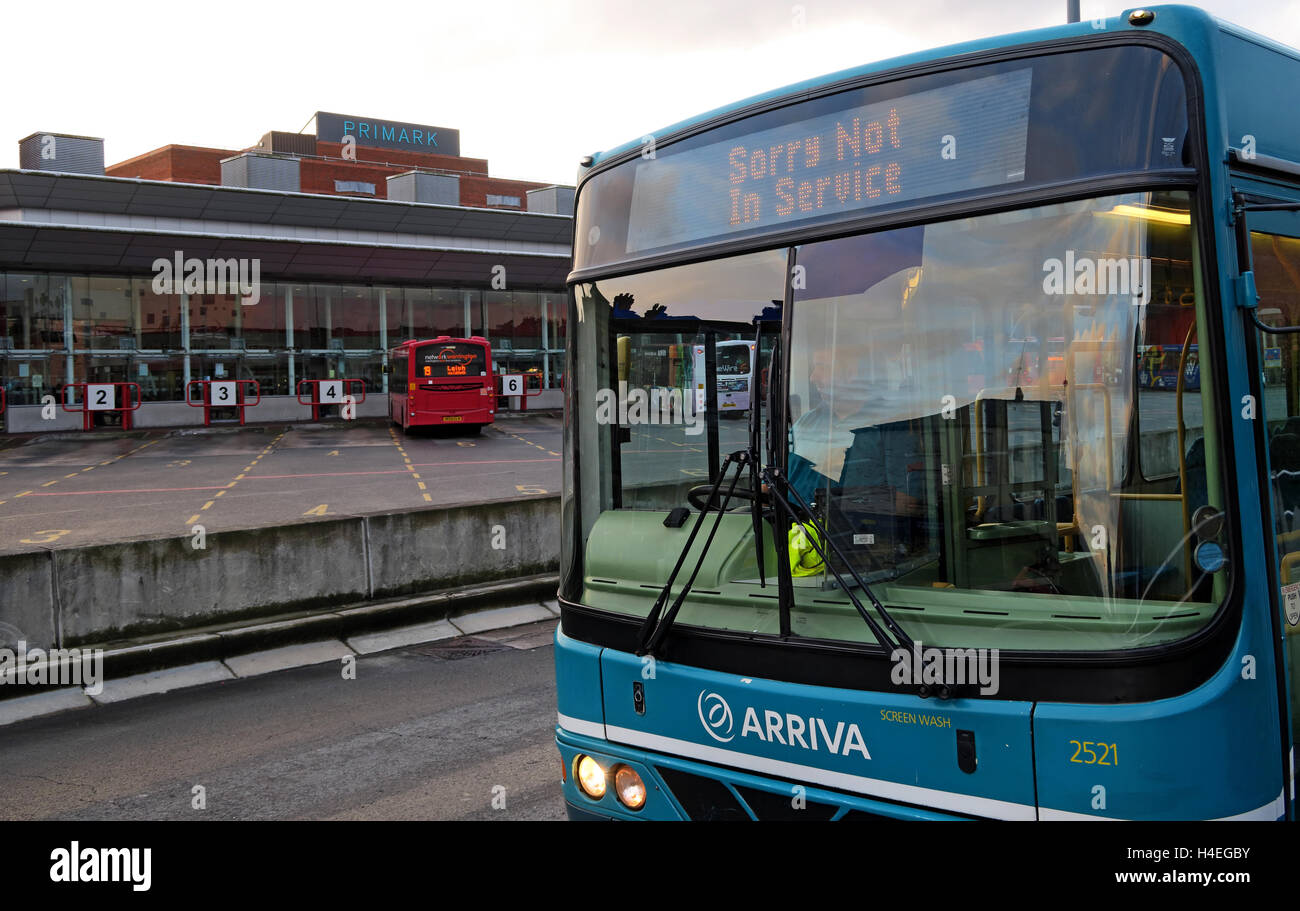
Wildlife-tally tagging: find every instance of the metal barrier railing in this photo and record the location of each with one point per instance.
(330, 392)
(222, 394)
(102, 398)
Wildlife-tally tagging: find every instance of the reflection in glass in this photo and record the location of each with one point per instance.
(976, 414)
(962, 418)
(667, 324)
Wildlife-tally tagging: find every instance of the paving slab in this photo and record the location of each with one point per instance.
(163, 681)
(500, 618)
(289, 656)
(47, 703)
(369, 643)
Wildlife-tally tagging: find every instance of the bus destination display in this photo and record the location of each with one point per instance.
(452, 360)
(946, 140)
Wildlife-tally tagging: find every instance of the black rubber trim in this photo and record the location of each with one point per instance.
(1098, 678)
(767, 805)
(703, 799)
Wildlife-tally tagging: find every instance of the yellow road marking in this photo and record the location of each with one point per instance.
(239, 477)
(406, 460)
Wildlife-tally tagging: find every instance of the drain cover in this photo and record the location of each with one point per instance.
(463, 647)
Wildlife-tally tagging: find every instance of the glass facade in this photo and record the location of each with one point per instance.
(526, 329)
(60, 328)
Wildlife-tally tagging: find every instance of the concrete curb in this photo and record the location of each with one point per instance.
(277, 644)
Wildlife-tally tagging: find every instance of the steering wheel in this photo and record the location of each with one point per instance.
(698, 497)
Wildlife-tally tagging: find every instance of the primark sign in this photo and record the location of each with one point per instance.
(387, 134)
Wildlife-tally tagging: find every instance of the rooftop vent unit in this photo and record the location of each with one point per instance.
(61, 152)
(554, 200)
(261, 171)
(417, 186)
(288, 143)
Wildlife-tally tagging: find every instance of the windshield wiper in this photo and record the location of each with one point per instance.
(652, 631)
(775, 482)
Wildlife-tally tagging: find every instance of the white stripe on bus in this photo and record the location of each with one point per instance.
(929, 797)
(578, 726)
(1270, 811)
(944, 800)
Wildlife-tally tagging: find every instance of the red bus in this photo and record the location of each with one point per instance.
(442, 381)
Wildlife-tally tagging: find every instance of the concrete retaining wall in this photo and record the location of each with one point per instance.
(108, 592)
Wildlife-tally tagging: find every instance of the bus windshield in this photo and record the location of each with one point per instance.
(970, 410)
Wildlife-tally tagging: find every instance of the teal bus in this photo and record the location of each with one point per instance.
(962, 561)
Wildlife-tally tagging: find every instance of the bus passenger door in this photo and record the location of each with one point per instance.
(1275, 259)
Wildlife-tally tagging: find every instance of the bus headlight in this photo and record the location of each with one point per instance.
(629, 788)
(591, 777)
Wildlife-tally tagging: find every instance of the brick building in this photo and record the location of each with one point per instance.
(358, 247)
(323, 167)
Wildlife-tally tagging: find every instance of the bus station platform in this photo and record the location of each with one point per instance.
(67, 490)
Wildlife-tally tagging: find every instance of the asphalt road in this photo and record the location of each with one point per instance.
(67, 492)
(427, 732)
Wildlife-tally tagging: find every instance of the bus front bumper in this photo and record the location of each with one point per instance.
(680, 789)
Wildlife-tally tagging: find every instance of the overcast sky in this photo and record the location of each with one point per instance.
(532, 85)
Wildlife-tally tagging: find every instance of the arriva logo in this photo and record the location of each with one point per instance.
(786, 729)
(716, 718)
